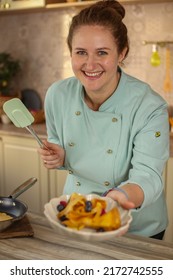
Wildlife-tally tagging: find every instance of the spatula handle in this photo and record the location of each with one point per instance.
(42, 145)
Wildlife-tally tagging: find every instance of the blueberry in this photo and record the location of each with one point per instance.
(100, 229)
(88, 206)
(60, 207)
(63, 218)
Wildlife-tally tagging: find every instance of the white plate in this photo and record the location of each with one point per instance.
(50, 211)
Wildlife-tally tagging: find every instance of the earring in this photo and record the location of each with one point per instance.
(120, 63)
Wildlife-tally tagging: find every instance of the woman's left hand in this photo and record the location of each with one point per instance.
(128, 196)
(121, 199)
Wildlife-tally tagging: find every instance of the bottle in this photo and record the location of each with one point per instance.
(155, 58)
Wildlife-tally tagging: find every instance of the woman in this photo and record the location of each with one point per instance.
(107, 128)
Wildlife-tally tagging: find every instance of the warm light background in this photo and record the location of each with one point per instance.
(39, 41)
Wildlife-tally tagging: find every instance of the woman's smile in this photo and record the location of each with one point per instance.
(93, 74)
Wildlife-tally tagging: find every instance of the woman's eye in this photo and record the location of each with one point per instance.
(81, 52)
(102, 53)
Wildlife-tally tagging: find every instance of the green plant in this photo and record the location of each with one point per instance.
(9, 68)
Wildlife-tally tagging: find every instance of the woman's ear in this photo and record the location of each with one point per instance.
(122, 55)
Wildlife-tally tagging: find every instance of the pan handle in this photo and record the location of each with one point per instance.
(22, 188)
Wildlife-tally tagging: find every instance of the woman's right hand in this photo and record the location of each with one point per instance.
(53, 157)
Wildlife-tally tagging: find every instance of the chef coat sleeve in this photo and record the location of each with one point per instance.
(150, 154)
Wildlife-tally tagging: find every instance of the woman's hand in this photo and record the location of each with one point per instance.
(121, 199)
(53, 157)
(132, 198)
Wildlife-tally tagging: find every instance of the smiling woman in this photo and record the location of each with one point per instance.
(109, 129)
(95, 61)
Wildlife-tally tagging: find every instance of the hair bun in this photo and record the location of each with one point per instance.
(119, 9)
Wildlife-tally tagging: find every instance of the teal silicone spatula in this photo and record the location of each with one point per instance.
(21, 117)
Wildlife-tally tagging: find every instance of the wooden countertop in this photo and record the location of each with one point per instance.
(48, 245)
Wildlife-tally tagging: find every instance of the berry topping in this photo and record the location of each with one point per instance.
(63, 202)
(63, 218)
(103, 212)
(60, 207)
(88, 206)
(100, 230)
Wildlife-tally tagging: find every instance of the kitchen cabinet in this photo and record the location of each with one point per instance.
(1, 163)
(169, 198)
(18, 162)
(18, 4)
(57, 180)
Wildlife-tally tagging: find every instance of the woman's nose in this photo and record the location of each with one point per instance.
(91, 62)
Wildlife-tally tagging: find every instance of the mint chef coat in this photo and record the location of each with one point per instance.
(126, 141)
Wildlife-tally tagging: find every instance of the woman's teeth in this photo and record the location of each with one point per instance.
(95, 74)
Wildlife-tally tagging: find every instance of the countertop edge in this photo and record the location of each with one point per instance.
(11, 130)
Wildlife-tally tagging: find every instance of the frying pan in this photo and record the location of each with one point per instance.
(14, 207)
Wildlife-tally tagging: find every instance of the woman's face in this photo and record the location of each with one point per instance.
(95, 59)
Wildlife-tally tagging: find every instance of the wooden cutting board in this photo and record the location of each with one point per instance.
(21, 228)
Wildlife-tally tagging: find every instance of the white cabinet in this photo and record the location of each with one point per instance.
(1, 165)
(20, 162)
(169, 198)
(57, 180)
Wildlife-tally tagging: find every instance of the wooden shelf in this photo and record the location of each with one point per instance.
(87, 3)
(64, 5)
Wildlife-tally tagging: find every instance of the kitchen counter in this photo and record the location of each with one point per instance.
(48, 245)
(10, 129)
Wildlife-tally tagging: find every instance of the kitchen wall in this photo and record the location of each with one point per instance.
(39, 41)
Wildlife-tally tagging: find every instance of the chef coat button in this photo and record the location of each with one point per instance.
(77, 113)
(70, 172)
(78, 184)
(157, 134)
(71, 144)
(106, 183)
(109, 151)
(114, 119)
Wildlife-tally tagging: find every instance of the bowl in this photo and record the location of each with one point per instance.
(86, 234)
